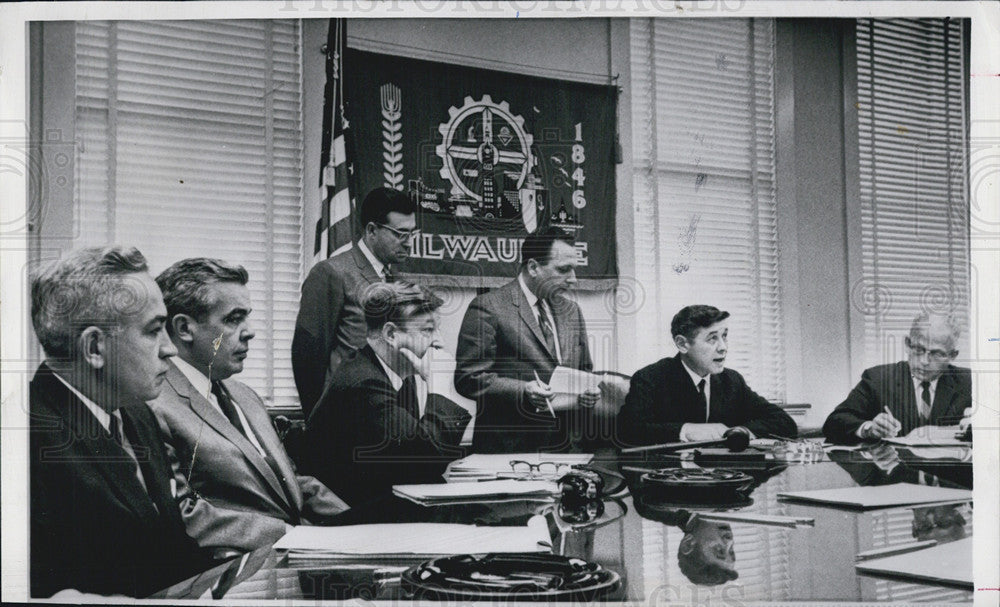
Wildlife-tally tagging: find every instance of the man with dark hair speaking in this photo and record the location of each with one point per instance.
(331, 325)
(692, 396)
(103, 516)
(373, 429)
(237, 488)
(511, 341)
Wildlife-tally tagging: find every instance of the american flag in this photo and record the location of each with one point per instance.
(335, 227)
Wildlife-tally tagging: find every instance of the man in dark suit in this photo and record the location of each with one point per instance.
(103, 516)
(692, 396)
(331, 325)
(511, 341)
(237, 488)
(372, 429)
(926, 389)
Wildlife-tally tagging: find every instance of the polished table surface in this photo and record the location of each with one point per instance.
(637, 537)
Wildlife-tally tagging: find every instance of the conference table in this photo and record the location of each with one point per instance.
(635, 534)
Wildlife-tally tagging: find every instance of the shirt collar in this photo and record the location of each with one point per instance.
(102, 416)
(532, 298)
(201, 384)
(378, 265)
(694, 376)
(394, 378)
(917, 382)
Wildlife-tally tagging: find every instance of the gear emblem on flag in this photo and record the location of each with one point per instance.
(486, 156)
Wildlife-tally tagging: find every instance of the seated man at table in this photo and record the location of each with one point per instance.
(692, 396)
(894, 399)
(103, 516)
(372, 429)
(237, 488)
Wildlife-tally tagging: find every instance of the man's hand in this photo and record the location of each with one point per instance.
(966, 420)
(421, 366)
(701, 432)
(883, 426)
(538, 393)
(589, 398)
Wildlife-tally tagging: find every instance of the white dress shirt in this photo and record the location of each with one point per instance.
(533, 304)
(378, 265)
(925, 410)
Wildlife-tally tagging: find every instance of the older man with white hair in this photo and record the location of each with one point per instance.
(926, 389)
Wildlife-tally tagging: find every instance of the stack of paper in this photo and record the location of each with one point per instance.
(486, 491)
(948, 564)
(412, 540)
(482, 466)
(882, 496)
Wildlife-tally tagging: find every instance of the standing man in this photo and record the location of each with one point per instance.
(692, 396)
(103, 516)
(237, 488)
(371, 430)
(511, 341)
(331, 324)
(926, 389)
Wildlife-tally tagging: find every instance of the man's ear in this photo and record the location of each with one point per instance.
(93, 346)
(687, 544)
(182, 328)
(389, 331)
(682, 343)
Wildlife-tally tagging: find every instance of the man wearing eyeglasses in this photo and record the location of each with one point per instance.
(373, 428)
(926, 389)
(331, 324)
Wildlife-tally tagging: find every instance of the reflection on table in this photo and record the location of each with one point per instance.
(666, 551)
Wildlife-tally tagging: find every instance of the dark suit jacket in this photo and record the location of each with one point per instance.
(93, 526)
(892, 386)
(662, 398)
(238, 502)
(361, 440)
(500, 349)
(331, 323)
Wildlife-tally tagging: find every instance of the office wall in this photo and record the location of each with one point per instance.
(575, 49)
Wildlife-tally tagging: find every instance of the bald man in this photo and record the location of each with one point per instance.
(926, 389)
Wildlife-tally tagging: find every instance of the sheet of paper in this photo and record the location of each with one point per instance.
(500, 488)
(573, 381)
(415, 539)
(949, 563)
(883, 496)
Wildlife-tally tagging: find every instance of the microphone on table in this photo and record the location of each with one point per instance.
(735, 439)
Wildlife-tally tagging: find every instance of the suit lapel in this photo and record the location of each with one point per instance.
(528, 317)
(214, 418)
(260, 424)
(107, 456)
(943, 396)
(364, 266)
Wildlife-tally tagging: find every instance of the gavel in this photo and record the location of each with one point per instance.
(735, 439)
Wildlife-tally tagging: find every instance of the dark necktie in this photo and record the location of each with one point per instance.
(388, 275)
(546, 325)
(227, 406)
(701, 395)
(925, 396)
(115, 428)
(408, 396)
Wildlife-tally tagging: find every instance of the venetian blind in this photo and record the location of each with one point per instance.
(190, 144)
(913, 165)
(703, 185)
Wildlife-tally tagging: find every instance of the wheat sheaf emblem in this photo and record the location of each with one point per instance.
(392, 136)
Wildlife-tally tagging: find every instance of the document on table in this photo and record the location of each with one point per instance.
(930, 436)
(949, 563)
(882, 496)
(486, 466)
(413, 539)
(459, 493)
